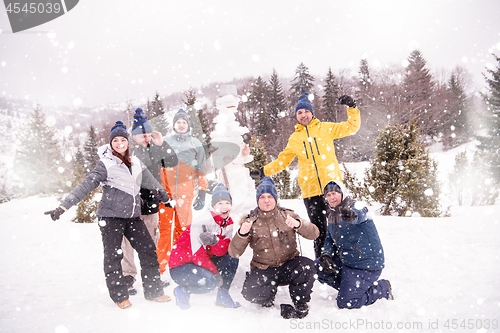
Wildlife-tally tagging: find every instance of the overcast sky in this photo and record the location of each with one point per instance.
(111, 50)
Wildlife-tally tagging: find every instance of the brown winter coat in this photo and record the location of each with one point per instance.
(272, 241)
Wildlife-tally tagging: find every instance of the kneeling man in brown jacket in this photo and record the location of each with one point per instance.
(270, 231)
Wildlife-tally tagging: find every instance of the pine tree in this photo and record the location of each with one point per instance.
(365, 80)
(357, 190)
(259, 153)
(490, 143)
(156, 115)
(90, 150)
(5, 184)
(330, 107)
(38, 159)
(467, 189)
(295, 191)
(456, 125)
(283, 182)
(129, 112)
(460, 179)
(198, 121)
(276, 106)
(485, 188)
(418, 87)
(403, 178)
(258, 102)
(79, 158)
(303, 81)
(87, 208)
(194, 121)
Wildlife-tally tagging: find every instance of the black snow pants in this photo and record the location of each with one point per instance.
(260, 285)
(134, 229)
(316, 210)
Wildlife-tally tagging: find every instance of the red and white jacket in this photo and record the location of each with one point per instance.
(188, 248)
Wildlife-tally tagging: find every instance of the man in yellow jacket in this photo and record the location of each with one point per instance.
(312, 143)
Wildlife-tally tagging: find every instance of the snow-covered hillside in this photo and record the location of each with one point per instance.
(445, 274)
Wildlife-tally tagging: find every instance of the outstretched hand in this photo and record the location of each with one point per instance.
(347, 214)
(55, 214)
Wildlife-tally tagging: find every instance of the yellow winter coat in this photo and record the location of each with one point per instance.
(313, 145)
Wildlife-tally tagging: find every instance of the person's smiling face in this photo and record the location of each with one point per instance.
(223, 208)
(333, 198)
(181, 126)
(119, 145)
(304, 116)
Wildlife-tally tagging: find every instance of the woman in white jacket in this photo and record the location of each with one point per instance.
(121, 177)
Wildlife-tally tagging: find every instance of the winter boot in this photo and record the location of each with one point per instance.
(287, 311)
(302, 309)
(390, 297)
(298, 312)
(161, 299)
(225, 300)
(125, 304)
(129, 282)
(182, 298)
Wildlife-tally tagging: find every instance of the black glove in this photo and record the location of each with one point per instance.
(257, 174)
(208, 238)
(347, 100)
(56, 213)
(199, 203)
(347, 215)
(328, 265)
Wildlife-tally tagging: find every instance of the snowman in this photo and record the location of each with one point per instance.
(232, 152)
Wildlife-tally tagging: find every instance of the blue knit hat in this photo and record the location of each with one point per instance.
(119, 129)
(220, 193)
(304, 103)
(266, 185)
(141, 123)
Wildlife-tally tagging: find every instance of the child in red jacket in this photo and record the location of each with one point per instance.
(202, 251)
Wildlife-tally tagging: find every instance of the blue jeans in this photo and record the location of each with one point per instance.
(357, 287)
(198, 280)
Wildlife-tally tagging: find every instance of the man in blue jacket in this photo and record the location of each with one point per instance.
(353, 257)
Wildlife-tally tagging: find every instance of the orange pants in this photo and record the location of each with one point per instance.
(180, 218)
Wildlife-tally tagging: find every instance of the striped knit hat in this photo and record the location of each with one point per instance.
(141, 123)
(266, 185)
(119, 129)
(181, 114)
(220, 193)
(304, 103)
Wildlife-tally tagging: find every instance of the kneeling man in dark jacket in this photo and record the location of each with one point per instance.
(353, 258)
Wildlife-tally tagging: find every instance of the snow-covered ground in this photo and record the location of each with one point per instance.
(445, 273)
